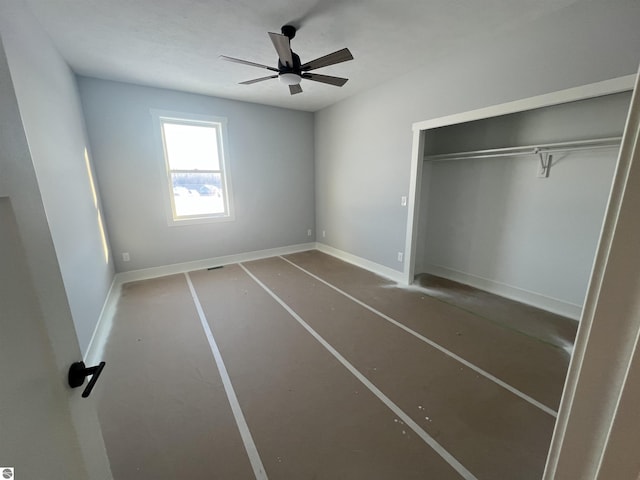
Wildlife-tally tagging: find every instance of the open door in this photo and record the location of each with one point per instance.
(597, 434)
(47, 430)
(39, 438)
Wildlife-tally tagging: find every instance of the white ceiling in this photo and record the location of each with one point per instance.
(176, 43)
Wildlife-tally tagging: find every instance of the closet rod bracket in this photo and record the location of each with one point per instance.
(545, 163)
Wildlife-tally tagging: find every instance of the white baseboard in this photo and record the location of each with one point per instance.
(534, 299)
(374, 267)
(95, 350)
(101, 332)
(147, 273)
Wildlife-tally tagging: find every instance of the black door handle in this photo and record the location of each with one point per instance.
(77, 373)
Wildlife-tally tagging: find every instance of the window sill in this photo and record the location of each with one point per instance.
(182, 222)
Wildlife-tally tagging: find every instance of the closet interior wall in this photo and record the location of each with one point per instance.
(494, 224)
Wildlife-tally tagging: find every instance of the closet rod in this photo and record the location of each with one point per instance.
(597, 143)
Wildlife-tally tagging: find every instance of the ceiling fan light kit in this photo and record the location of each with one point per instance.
(290, 70)
(290, 78)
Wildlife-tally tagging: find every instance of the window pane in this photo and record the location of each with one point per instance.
(191, 147)
(197, 193)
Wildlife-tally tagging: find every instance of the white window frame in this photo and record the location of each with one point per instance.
(220, 126)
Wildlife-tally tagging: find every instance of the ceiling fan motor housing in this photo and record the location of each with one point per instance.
(293, 69)
(290, 74)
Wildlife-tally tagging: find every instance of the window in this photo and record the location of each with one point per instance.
(196, 168)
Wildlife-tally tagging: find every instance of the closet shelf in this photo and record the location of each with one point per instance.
(540, 149)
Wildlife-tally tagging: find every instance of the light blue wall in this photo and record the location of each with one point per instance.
(270, 154)
(52, 120)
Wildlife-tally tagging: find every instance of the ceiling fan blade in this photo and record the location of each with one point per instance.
(256, 80)
(245, 62)
(340, 56)
(295, 89)
(337, 81)
(283, 47)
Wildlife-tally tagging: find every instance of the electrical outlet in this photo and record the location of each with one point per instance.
(125, 256)
(324, 234)
(403, 201)
(400, 255)
(309, 233)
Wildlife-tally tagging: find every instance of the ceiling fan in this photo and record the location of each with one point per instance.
(290, 70)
